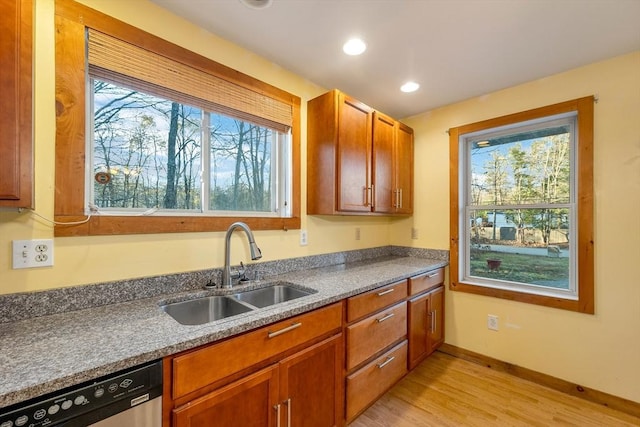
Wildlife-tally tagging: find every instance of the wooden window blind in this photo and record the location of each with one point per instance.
(119, 62)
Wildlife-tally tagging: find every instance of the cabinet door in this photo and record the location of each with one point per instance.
(354, 155)
(311, 386)
(249, 402)
(419, 324)
(384, 131)
(436, 313)
(404, 169)
(16, 163)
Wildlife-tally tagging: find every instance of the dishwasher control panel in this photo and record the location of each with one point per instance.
(88, 402)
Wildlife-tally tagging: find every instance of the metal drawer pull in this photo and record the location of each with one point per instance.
(386, 362)
(388, 316)
(285, 330)
(277, 408)
(388, 291)
(433, 321)
(429, 276)
(373, 196)
(288, 403)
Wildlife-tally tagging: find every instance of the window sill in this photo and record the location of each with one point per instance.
(582, 305)
(119, 225)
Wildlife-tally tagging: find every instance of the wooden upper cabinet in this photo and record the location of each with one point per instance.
(384, 138)
(392, 165)
(403, 164)
(354, 155)
(16, 145)
(353, 159)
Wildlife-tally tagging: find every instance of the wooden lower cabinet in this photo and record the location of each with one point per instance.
(311, 386)
(288, 373)
(304, 389)
(312, 370)
(246, 402)
(368, 383)
(425, 325)
(376, 345)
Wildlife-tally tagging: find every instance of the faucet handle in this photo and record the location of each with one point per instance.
(242, 272)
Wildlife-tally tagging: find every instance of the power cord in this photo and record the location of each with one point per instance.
(84, 221)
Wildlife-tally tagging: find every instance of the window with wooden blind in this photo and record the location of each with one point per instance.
(153, 138)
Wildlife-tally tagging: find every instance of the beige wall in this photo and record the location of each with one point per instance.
(96, 259)
(600, 351)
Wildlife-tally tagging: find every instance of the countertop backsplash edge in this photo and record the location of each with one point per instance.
(25, 305)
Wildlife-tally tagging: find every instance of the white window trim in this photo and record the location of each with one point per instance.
(465, 206)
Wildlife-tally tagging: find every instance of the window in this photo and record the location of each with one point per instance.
(154, 156)
(521, 220)
(152, 138)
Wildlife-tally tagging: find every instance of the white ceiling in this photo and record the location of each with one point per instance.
(455, 49)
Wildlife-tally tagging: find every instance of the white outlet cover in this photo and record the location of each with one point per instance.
(303, 238)
(32, 253)
(492, 322)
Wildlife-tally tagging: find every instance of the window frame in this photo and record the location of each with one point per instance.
(583, 175)
(72, 19)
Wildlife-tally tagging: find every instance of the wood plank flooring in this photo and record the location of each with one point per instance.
(447, 391)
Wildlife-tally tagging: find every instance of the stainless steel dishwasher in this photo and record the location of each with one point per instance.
(129, 398)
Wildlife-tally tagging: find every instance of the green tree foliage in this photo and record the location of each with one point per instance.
(519, 175)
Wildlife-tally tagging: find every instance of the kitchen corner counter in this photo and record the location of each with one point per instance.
(45, 354)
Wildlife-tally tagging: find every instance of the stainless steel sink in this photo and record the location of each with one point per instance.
(204, 310)
(207, 309)
(274, 294)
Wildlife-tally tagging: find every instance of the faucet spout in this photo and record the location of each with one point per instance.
(227, 276)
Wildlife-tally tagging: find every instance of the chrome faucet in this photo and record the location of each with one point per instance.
(227, 275)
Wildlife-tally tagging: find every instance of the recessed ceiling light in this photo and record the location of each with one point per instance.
(409, 87)
(354, 47)
(257, 4)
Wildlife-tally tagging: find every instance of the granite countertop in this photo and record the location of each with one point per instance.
(48, 353)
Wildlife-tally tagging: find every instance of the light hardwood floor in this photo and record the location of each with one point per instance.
(447, 391)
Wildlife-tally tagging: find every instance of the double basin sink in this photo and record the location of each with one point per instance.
(208, 309)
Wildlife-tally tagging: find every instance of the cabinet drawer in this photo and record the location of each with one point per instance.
(205, 366)
(365, 385)
(426, 281)
(372, 301)
(372, 334)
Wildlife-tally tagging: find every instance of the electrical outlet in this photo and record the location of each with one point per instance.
(492, 322)
(32, 253)
(357, 233)
(414, 233)
(303, 238)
